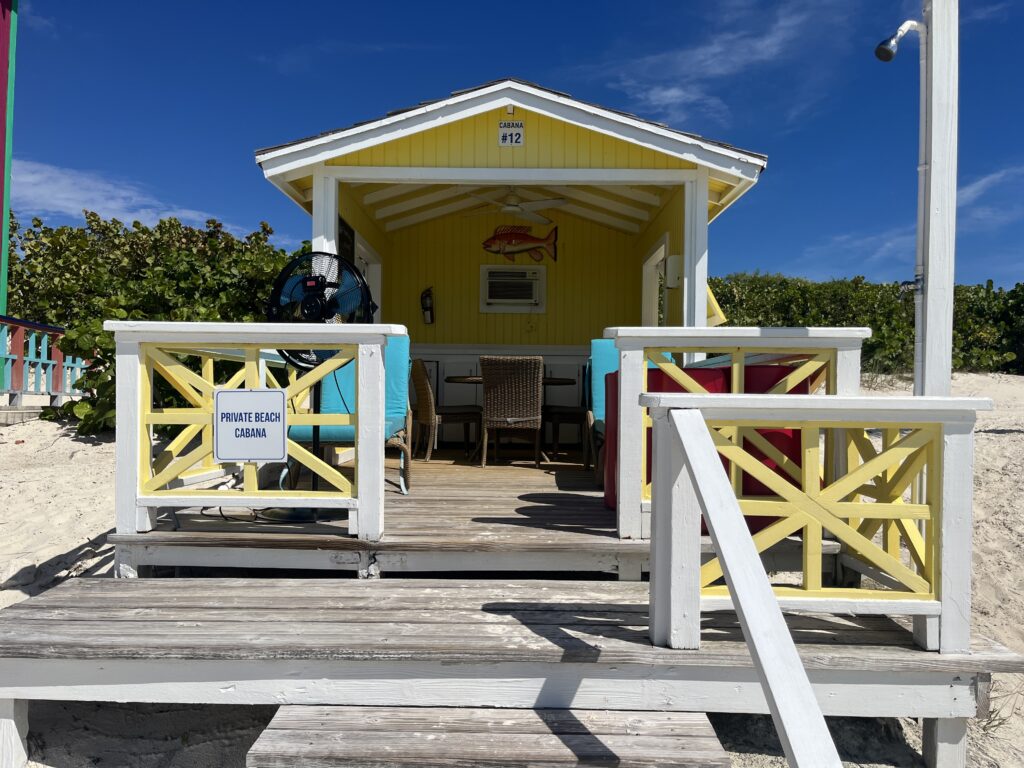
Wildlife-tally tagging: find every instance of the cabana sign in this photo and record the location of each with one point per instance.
(510, 133)
(249, 425)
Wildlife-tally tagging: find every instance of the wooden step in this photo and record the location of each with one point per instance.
(457, 737)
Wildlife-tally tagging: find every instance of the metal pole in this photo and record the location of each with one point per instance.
(8, 39)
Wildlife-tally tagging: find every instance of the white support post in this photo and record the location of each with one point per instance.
(325, 213)
(938, 237)
(695, 251)
(632, 443)
(370, 441)
(944, 742)
(13, 733)
(130, 516)
(675, 544)
(848, 370)
(955, 540)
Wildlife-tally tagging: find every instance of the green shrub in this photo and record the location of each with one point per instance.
(78, 277)
(988, 322)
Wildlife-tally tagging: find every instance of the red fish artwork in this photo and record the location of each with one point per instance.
(512, 239)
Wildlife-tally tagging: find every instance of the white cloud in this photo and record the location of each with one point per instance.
(968, 194)
(975, 215)
(41, 189)
(677, 84)
(985, 13)
(881, 255)
(28, 17)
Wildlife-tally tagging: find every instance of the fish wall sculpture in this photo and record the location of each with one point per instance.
(516, 238)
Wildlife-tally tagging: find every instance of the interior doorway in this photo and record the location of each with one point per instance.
(654, 306)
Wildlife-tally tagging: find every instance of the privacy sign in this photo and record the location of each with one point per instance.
(249, 425)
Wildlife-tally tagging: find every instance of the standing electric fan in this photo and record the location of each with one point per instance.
(318, 287)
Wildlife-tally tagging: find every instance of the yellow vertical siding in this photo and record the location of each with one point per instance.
(594, 284)
(473, 143)
(358, 219)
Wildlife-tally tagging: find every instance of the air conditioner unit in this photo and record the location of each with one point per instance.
(512, 289)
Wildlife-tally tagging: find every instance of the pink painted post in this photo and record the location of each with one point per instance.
(17, 381)
(57, 374)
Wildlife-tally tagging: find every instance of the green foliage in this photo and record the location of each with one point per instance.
(988, 323)
(78, 277)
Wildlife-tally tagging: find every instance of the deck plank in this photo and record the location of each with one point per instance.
(451, 736)
(425, 620)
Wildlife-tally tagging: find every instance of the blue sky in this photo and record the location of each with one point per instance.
(143, 110)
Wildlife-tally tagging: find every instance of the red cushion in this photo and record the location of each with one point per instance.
(757, 379)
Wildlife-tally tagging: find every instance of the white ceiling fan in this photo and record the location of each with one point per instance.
(516, 205)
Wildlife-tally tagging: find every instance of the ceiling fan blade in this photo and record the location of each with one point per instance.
(487, 197)
(539, 205)
(482, 210)
(531, 216)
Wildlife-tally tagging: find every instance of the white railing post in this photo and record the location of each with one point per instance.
(370, 441)
(795, 710)
(129, 516)
(632, 443)
(955, 539)
(675, 544)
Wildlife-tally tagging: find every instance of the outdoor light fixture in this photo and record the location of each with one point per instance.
(886, 50)
(427, 305)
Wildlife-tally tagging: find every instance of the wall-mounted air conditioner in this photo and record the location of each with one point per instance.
(513, 289)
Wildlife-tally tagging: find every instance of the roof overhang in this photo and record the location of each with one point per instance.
(285, 163)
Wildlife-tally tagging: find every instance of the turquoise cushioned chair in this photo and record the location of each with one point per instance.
(338, 395)
(604, 359)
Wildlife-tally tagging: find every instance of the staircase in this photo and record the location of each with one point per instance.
(374, 737)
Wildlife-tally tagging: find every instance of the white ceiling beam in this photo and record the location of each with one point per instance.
(602, 218)
(586, 213)
(431, 213)
(387, 193)
(506, 176)
(582, 195)
(420, 201)
(637, 195)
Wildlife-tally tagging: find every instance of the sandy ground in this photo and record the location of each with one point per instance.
(56, 507)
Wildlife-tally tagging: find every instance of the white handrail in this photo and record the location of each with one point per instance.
(693, 468)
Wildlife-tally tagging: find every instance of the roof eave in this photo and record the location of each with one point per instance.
(730, 161)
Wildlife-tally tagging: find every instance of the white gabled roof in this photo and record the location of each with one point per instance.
(724, 160)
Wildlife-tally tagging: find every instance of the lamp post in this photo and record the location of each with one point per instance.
(936, 191)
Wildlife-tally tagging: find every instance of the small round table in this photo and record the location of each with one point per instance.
(549, 381)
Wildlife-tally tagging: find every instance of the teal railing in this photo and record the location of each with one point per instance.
(31, 363)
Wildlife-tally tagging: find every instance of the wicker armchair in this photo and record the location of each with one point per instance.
(428, 416)
(513, 395)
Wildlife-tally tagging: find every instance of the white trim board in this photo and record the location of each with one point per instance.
(857, 693)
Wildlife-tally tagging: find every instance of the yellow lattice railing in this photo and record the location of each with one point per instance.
(810, 370)
(189, 452)
(870, 506)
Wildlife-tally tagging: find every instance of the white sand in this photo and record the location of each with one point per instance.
(56, 506)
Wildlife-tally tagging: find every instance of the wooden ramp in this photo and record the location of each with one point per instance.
(396, 737)
(457, 517)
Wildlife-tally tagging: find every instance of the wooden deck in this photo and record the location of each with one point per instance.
(457, 517)
(414, 642)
